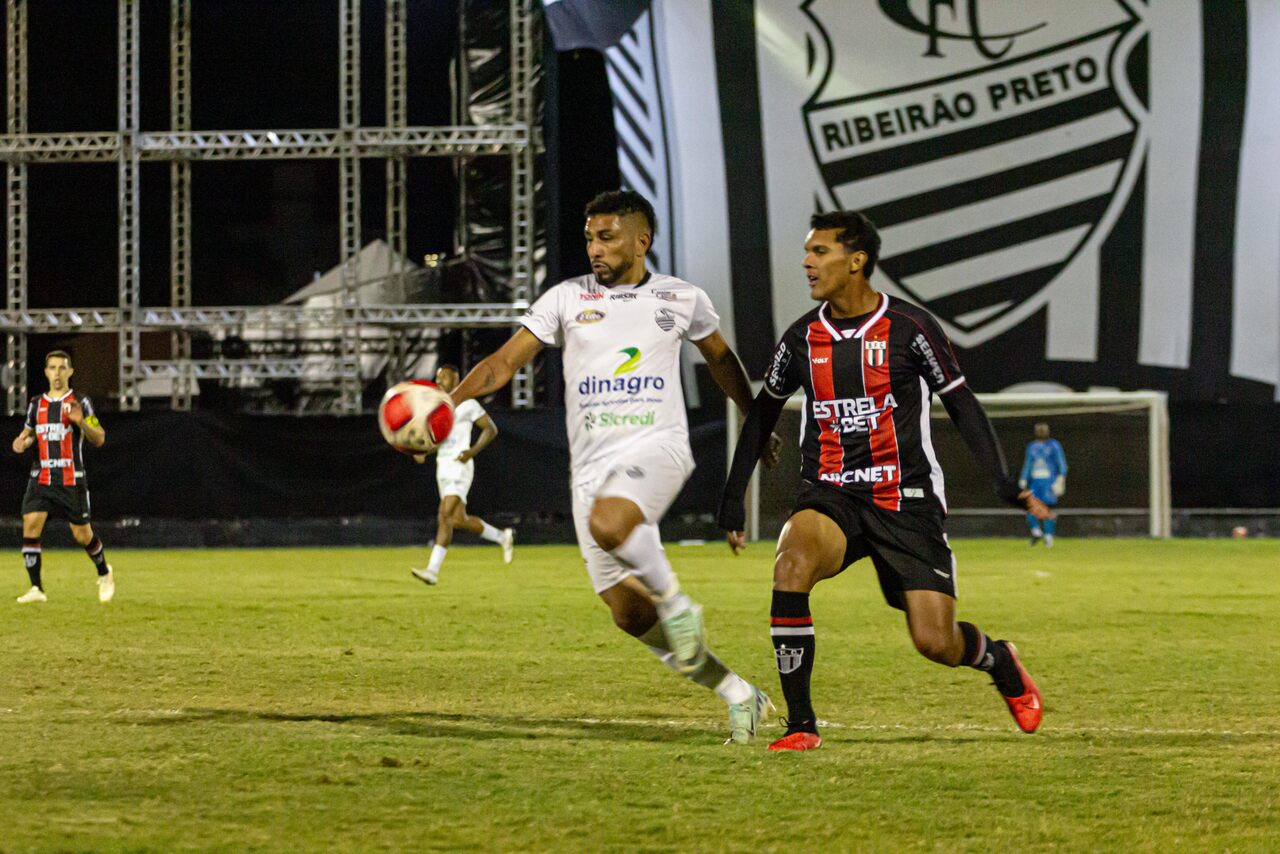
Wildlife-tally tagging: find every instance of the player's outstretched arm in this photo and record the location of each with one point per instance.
(761, 418)
(24, 440)
(496, 370)
(974, 425)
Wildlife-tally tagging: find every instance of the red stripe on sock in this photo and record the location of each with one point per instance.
(791, 621)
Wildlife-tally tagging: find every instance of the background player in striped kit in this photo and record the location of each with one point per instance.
(454, 472)
(872, 486)
(58, 422)
(1044, 472)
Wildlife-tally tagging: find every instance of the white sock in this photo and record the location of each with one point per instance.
(734, 689)
(490, 533)
(437, 558)
(642, 552)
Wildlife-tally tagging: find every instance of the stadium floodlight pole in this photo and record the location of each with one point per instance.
(15, 366)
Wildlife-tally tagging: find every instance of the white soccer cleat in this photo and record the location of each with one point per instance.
(427, 576)
(35, 594)
(508, 545)
(107, 585)
(1048, 541)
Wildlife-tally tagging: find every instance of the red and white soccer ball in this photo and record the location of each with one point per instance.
(415, 416)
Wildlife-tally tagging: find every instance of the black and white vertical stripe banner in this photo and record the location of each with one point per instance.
(1092, 185)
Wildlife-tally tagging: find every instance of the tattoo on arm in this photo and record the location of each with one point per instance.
(490, 381)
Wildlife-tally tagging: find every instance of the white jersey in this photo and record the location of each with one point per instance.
(622, 359)
(465, 415)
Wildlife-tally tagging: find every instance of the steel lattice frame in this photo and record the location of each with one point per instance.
(128, 146)
(15, 365)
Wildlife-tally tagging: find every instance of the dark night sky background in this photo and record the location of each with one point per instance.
(260, 228)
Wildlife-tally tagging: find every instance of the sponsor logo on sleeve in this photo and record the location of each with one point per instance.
(778, 369)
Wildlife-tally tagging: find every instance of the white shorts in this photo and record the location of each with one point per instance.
(454, 478)
(650, 474)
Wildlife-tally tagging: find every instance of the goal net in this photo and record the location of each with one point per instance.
(1116, 445)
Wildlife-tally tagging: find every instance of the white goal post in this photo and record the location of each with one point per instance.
(1121, 465)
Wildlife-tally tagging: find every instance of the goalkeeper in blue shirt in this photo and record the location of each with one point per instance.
(1044, 472)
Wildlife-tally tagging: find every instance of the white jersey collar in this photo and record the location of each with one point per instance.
(825, 312)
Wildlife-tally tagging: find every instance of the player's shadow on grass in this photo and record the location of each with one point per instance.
(473, 727)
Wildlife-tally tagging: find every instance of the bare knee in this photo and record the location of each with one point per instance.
(609, 532)
(795, 571)
(83, 534)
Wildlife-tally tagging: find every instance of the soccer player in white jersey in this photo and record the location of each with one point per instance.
(454, 471)
(621, 329)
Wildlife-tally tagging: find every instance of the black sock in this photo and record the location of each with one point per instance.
(793, 644)
(31, 559)
(97, 554)
(982, 653)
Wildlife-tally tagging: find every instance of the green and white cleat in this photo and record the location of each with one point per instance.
(745, 718)
(426, 576)
(107, 585)
(683, 631)
(35, 594)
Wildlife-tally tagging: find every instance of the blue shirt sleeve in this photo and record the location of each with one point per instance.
(1059, 459)
(1026, 464)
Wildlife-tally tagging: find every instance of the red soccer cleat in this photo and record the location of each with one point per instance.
(798, 741)
(1028, 707)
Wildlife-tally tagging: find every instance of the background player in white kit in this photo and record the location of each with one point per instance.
(454, 472)
(621, 330)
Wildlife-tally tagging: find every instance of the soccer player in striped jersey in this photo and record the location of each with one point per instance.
(1044, 472)
(58, 422)
(872, 486)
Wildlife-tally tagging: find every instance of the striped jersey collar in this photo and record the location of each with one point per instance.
(824, 314)
(49, 396)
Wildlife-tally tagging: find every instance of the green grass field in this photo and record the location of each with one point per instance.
(309, 700)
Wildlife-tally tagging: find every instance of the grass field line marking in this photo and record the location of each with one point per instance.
(704, 723)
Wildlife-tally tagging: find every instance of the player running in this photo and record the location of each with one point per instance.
(58, 422)
(621, 329)
(454, 470)
(871, 481)
(1044, 472)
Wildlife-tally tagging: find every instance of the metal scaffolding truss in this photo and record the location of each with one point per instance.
(127, 146)
(219, 320)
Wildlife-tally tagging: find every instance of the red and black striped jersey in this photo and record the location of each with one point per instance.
(59, 443)
(868, 381)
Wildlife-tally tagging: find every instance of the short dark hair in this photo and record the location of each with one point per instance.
(856, 233)
(623, 202)
(448, 366)
(57, 354)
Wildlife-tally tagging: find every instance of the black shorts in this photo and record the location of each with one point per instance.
(907, 547)
(71, 502)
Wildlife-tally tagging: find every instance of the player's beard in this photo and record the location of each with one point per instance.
(610, 275)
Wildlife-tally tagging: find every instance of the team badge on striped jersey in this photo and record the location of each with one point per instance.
(993, 144)
(665, 318)
(874, 352)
